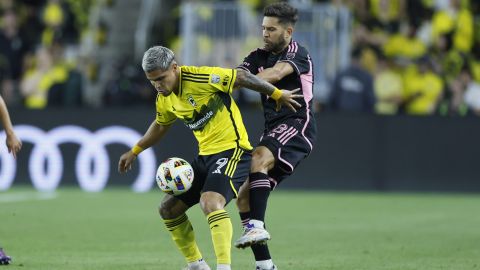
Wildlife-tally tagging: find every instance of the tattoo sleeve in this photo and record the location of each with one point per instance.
(250, 81)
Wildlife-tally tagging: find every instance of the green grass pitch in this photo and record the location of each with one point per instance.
(118, 229)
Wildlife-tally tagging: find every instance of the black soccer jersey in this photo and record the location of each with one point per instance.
(302, 77)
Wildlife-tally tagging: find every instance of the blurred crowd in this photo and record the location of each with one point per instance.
(46, 57)
(415, 57)
(35, 40)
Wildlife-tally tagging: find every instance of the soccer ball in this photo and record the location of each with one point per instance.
(174, 176)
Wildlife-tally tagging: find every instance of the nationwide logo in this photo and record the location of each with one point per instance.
(200, 123)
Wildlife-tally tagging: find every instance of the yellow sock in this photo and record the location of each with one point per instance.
(184, 237)
(221, 230)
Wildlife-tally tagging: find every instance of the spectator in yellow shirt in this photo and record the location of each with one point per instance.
(388, 86)
(423, 88)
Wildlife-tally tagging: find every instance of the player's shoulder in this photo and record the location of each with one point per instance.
(258, 52)
(202, 71)
(195, 75)
(196, 70)
(296, 48)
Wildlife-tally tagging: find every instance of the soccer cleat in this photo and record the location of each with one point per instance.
(274, 267)
(251, 236)
(4, 259)
(201, 265)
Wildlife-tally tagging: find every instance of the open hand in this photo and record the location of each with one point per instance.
(288, 99)
(126, 161)
(13, 144)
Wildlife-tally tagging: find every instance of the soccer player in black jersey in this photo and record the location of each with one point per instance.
(288, 135)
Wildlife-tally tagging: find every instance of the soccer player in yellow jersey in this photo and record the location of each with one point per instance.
(201, 98)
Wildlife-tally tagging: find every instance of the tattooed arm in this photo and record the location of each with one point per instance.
(282, 97)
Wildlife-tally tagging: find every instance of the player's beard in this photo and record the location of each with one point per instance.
(276, 47)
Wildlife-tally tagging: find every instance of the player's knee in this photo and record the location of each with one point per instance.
(260, 162)
(211, 201)
(243, 198)
(164, 212)
(242, 203)
(167, 212)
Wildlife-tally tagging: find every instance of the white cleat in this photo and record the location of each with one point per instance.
(201, 265)
(252, 236)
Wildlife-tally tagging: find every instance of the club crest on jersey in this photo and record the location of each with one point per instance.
(290, 55)
(192, 101)
(225, 80)
(215, 78)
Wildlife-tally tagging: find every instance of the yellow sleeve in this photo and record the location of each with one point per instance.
(223, 79)
(164, 117)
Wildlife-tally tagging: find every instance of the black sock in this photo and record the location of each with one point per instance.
(244, 218)
(261, 252)
(259, 192)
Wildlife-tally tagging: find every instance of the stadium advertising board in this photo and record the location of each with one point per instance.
(353, 152)
(46, 163)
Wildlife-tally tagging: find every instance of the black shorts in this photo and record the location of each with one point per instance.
(290, 142)
(223, 173)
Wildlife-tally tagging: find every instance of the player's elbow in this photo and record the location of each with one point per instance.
(241, 77)
(275, 77)
(272, 75)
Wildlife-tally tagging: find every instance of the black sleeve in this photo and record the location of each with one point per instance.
(298, 58)
(250, 63)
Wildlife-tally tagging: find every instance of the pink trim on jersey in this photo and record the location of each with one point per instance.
(307, 90)
(260, 69)
(283, 160)
(293, 47)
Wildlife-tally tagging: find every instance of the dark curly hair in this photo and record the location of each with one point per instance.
(285, 13)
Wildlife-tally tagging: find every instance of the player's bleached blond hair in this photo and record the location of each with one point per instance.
(157, 58)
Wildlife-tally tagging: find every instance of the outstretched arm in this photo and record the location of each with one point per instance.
(13, 143)
(274, 74)
(154, 133)
(282, 97)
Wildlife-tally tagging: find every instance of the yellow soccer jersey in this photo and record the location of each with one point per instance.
(204, 103)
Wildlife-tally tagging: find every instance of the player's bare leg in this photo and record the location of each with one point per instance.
(259, 189)
(172, 211)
